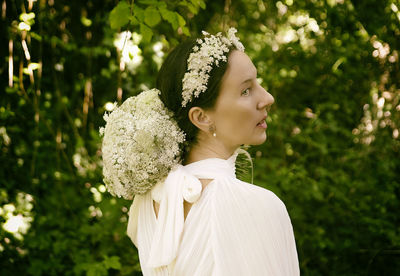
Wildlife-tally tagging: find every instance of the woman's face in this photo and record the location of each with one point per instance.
(241, 108)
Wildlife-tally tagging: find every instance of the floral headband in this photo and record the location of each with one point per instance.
(211, 50)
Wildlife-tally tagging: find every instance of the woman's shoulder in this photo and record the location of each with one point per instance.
(245, 205)
(237, 192)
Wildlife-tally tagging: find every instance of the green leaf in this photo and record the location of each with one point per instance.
(183, 3)
(149, 2)
(86, 21)
(162, 5)
(139, 13)
(181, 20)
(185, 31)
(112, 262)
(146, 32)
(96, 270)
(202, 4)
(36, 36)
(119, 16)
(133, 20)
(151, 16)
(170, 16)
(10, 90)
(192, 8)
(193, 5)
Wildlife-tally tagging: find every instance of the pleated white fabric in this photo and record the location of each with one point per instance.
(233, 227)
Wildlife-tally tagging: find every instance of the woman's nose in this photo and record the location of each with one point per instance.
(266, 99)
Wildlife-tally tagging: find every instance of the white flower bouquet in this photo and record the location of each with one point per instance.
(141, 143)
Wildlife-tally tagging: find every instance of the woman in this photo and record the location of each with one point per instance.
(200, 219)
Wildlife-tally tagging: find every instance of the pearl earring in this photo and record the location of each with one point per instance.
(212, 129)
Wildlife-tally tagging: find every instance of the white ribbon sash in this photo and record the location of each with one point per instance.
(181, 184)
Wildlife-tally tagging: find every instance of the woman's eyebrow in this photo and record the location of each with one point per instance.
(248, 80)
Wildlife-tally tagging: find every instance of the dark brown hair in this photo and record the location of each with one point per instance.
(169, 82)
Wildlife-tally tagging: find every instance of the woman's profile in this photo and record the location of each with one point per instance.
(174, 149)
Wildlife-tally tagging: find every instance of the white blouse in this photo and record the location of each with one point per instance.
(233, 227)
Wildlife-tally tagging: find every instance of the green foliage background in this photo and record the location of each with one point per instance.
(332, 154)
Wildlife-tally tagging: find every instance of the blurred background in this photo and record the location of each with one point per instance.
(332, 153)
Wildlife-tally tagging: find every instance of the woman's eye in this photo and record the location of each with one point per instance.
(246, 92)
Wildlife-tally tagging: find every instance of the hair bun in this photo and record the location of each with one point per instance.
(141, 144)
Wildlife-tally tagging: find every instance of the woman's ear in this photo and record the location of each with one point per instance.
(200, 118)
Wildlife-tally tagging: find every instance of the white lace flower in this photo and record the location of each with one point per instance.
(211, 50)
(141, 144)
(235, 41)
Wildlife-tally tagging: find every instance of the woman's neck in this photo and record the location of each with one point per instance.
(202, 151)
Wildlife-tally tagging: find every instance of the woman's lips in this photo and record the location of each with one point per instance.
(262, 124)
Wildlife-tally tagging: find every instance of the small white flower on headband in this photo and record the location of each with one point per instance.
(211, 50)
(235, 41)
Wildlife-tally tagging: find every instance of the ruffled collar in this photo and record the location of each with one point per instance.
(213, 167)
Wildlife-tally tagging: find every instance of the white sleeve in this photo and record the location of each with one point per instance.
(252, 233)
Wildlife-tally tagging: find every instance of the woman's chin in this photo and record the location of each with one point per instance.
(259, 140)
